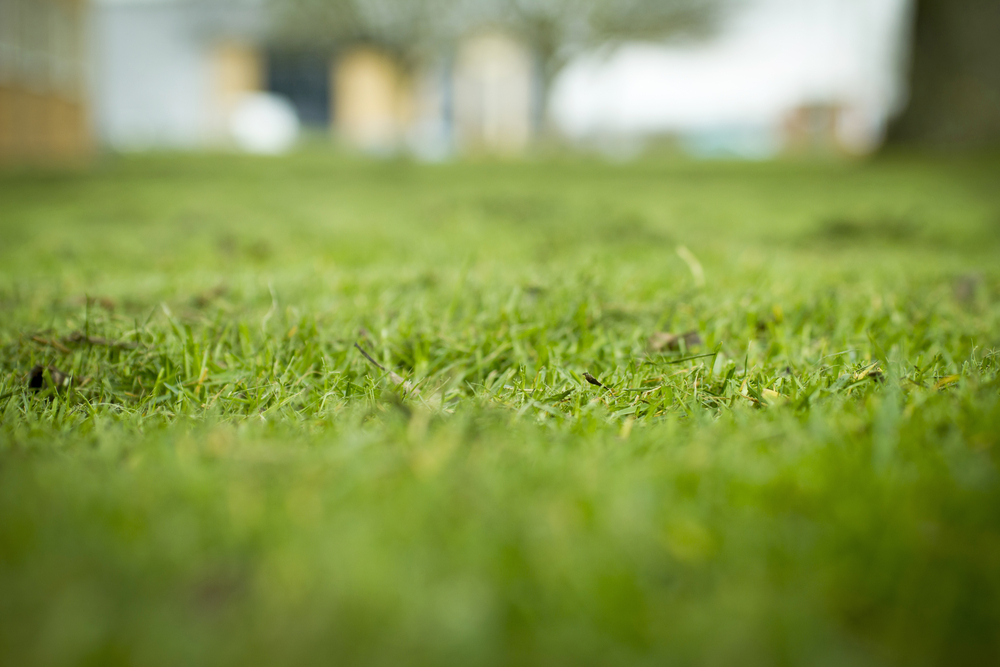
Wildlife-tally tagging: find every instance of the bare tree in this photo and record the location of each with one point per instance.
(558, 29)
(401, 26)
(554, 29)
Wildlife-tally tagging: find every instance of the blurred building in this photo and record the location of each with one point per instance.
(803, 76)
(170, 74)
(167, 73)
(373, 100)
(238, 68)
(494, 94)
(814, 128)
(43, 92)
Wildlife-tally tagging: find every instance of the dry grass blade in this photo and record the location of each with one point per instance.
(697, 272)
(873, 371)
(395, 378)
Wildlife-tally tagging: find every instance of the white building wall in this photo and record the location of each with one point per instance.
(155, 68)
(152, 84)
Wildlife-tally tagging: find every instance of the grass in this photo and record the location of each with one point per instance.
(221, 477)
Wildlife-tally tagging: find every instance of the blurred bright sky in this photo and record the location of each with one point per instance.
(769, 57)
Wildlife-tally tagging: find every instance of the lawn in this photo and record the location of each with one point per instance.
(788, 454)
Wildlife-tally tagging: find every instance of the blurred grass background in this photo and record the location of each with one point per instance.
(224, 479)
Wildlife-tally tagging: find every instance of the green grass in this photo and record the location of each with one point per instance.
(223, 478)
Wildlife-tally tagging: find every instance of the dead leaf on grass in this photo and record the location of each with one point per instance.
(208, 296)
(103, 302)
(966, 286)
(662, 340)
(36, 377)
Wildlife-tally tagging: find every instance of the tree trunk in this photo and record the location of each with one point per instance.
(954, 76)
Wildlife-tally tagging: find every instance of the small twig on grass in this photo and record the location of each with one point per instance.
(597, 383)
(51, 343)
(395, 378)
(80, 337)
